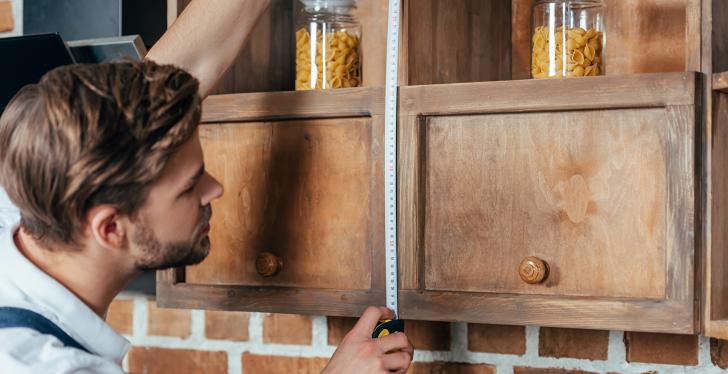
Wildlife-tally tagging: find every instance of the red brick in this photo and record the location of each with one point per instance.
(227, 325)
(449, 368)
(168, 322)
(260, 364)
(425, 335)
(121, 316)
(573, 343)
(719, 353)
(143, 360)
(338, 328)
(529, 370)
(497, 339)
(287, 329)
(661, 348)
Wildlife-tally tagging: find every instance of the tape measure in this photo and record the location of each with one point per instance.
(390, 169)
(388, 327)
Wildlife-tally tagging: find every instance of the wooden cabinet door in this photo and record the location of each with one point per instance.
(302, 174)
(591, 179)
(715, 278)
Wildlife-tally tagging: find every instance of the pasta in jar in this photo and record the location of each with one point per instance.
(568, 38)
(328, 42)
(333, 61)
(566, 52)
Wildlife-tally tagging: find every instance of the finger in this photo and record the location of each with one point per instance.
(394, 342)
(410, 348)
(369, 320)
(398, 361)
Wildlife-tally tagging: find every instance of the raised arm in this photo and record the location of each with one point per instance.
(207, 37)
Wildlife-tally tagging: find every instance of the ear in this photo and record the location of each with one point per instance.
(106, 227)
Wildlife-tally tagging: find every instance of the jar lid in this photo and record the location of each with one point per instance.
(328, 3)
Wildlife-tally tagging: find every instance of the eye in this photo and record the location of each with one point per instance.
(190, 189)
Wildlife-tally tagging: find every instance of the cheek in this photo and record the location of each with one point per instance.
(180, 221)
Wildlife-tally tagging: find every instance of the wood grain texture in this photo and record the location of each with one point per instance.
(694, 34)
(646, 36)
(643, 90)
(535, 310)
(718, 270)
(638, 143)
(453, 41)
(720, 82)
(372, 15)
(410, 215)
(266, 61)
(719, 36)
(521, 15)
(683, 196)
(330, 302)
(345, 102)
(586, 191)
(299, 189)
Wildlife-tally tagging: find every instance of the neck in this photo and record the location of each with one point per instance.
(93, 278)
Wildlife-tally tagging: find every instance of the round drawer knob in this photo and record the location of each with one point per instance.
(268, 264)
(533, 270)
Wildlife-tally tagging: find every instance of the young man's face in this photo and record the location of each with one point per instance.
(172, 227)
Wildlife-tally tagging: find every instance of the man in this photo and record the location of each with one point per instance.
(105, 166)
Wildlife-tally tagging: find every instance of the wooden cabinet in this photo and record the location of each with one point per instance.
(599, 194)
(587, 203)
(299, 227)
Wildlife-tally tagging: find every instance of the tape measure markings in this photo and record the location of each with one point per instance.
(390, 156)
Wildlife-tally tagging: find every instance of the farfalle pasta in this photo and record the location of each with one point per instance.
(338, 65)
(566, 52)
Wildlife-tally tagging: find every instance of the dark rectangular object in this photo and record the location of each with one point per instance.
(92, 51)
(26, 59)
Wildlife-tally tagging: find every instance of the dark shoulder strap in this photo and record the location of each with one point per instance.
(16, 317)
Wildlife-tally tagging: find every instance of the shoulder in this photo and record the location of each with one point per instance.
(24, 350)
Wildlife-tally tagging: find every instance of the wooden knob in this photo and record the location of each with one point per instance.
(533, 270)
(268, 264)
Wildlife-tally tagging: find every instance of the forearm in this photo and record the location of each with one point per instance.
(207, 37)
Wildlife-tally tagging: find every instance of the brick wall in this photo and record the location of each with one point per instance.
(184, 341)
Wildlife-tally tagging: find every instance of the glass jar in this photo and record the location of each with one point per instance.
(328, 36)
(568, 38)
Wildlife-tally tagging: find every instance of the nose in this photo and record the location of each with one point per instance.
(212, 189)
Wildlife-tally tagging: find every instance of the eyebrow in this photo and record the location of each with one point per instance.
(194, 179)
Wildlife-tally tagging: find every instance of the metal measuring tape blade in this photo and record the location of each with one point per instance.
(390, 168)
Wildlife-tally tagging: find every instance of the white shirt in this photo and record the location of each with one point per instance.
(23, 285)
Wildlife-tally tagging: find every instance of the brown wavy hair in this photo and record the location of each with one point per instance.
(92, 134)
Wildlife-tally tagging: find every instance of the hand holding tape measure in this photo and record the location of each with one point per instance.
(387, 327)
(360, 353)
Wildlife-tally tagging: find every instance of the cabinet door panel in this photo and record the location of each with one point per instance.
(567, 202)
(298, 189)
(584, 191)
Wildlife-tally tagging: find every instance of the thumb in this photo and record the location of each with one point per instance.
(369, 320)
